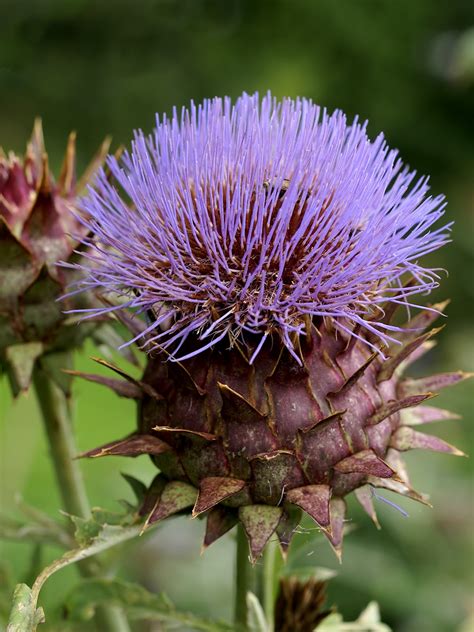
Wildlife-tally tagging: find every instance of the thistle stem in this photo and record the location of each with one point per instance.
(246, 579)
(268, 581)
(55, 412)
(54, 407)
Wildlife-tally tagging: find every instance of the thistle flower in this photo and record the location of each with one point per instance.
(35, 233)
(270, 244)
(257, 217)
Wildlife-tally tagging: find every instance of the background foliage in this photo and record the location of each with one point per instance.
(107, 67)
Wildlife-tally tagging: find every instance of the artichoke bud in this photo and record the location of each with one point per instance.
(38, 229)
(270, 244)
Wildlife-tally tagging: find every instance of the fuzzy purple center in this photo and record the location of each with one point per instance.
(255, 217)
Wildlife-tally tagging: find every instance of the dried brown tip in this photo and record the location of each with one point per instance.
(299, 605)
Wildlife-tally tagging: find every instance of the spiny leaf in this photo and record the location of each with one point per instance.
(137, 602)
(87, 529)
(25, 616)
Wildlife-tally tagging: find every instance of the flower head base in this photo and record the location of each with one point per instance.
(256, 217)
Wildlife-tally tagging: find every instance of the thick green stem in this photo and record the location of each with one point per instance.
(54, 408)
(55, 412)
(245, 579)
(270, 568)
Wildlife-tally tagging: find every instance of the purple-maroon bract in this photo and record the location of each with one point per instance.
(254, 216)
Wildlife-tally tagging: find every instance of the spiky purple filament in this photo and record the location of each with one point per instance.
(253, 217)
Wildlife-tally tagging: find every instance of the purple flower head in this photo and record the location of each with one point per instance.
(255, 217)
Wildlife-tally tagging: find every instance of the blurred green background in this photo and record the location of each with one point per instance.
(408, 65)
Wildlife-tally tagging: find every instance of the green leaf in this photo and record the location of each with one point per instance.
(24, 615)
(371, 616)
(95, 538)
(89, 528)
(137, 602)
(139, 489)
(368, 621)
(256, 621)
(86, 529)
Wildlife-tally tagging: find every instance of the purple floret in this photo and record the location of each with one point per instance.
(255, 217)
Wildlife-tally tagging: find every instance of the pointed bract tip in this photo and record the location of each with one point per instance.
(365, 497)
(94, 165)
(45, 183)
(122, 388)
(175, 497)
(132, 446)
(314, 500)
(411, 386)
(68, 170)
(393, 406)
(365, 462)
(219, 521)
(259, 523)
(407, 438)
(336, 537)
(403, 489)
(427, 414)
(37, 137)
(441, 306)
(213, 490)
